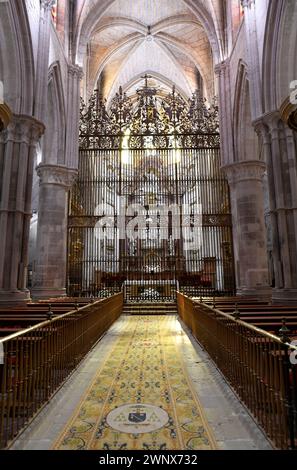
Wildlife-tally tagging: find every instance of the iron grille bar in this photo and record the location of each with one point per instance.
(161, 152)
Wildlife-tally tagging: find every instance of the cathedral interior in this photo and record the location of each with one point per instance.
(148, 221)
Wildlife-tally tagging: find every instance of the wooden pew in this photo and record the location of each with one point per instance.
(267, 317)
(14, 319)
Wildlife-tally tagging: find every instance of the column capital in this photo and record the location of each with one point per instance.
(251, 170)
(76, 71)
(262, 130)
(56, 175)
(23, 129)
(247, 3)
(270, 119)
(221, 67)
(47, 4)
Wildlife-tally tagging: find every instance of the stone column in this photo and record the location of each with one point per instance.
(17, 151)
(249, 233)
(222, 71)
(49, 269)
(280, 154)
(42, 58)
(263, 133)
(49, 277)
(252, 44)
(75, 75)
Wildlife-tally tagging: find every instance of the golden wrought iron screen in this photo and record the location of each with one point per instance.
(150, 212)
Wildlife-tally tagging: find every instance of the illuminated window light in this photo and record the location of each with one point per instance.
(176, 151)
(241, 9)
(125, 154)
(54, 13)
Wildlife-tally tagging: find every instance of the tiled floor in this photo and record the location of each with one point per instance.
(232, 426)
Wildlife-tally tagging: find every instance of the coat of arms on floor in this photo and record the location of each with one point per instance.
(137, 419)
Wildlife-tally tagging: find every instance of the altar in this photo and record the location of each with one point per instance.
(150, 290)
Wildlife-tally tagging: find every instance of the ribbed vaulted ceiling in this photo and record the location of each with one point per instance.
(175, 41)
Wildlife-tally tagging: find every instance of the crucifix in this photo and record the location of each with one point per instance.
(146, 77)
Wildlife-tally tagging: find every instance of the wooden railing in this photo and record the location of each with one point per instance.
(35, 362)
(257, 364)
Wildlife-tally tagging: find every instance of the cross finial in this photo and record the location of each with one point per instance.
(146, 77)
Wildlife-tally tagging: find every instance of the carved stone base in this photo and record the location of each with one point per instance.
(12, 298)
(284, 296)
(47, 293)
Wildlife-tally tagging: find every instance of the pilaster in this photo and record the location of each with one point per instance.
(75, 75)
(41, 80)
(17, 150)
(49, 272)
(250, 249)
(222, 72)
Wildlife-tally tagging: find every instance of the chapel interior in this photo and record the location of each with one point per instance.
(148, 225)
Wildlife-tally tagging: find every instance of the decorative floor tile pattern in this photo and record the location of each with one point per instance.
(144, 374)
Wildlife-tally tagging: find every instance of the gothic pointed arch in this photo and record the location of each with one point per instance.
(280, 51)
(245, 139)
(90, 14)
(54, 139)
(16, 60)
(158, 77)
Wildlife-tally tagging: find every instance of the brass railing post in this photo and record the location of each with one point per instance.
(37, 360)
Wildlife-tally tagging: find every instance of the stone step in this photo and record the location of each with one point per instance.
(147, 310)
(150, 305)
(150, 313)
(150, 309)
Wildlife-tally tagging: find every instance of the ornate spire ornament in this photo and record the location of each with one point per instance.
(168, 121)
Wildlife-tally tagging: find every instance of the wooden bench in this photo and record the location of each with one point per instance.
(260, 314)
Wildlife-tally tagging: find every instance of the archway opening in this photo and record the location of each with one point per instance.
(150, 212)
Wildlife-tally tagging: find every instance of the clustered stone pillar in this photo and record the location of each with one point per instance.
(49, 270)
(280, 154)
(222, 71)
(17, 151)
(49, 278)
(250, 250)
(40, 104)
(75, 75)
(252, 44)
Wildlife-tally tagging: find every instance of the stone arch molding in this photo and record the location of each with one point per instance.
(163, 40)
(245, 139)
(54, 138)
(16, 61)
(240, 91)
(280, 52)
(181, 81)
(87, 25)
(155, 75)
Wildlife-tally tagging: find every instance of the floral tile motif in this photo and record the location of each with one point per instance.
(144, 386)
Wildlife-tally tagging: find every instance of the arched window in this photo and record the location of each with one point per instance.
(241, 9)
(54, 12)
(237, 15)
